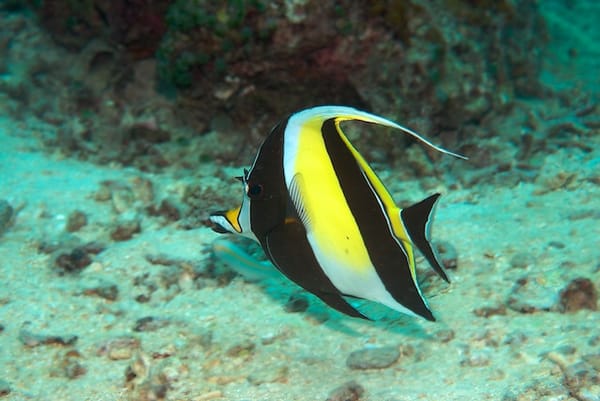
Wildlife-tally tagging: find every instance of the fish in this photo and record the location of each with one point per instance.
(326, 220)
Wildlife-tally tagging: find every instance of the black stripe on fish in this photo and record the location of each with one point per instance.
(386, 253)
(275, 223)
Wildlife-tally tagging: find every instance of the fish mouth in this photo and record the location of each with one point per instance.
(214, 224)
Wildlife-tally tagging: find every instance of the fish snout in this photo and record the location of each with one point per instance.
(224, 222)
(219, 223)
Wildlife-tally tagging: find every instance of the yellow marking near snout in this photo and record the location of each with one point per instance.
(232, 217)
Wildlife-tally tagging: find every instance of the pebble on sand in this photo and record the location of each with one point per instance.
(119, 348)
(150, 323)
(30, 339)
(535, 292)
(6, 215)
(579, 294)
(70, 365)
(373, 358)
(125, 230)
(104, 290)
(269, 374)
(76, 220)
(349, 391)
(4, 388)
(73, 261)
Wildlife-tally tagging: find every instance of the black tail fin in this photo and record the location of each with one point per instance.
(416, 219)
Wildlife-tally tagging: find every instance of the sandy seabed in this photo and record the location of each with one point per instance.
(89, 335)
(140, 321)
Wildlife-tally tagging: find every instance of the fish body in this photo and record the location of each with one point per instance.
(326, 220)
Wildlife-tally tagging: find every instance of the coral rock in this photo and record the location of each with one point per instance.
(579, 294)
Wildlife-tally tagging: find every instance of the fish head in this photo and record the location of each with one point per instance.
(265, 199)
(237, 220)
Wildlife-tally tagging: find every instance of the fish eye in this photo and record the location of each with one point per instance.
(254, 191)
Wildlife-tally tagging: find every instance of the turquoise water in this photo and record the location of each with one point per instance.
(124, 124)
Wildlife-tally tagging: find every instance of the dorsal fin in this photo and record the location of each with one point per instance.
(416, 220)
(344, 113)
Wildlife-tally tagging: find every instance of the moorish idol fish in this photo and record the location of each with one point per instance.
(326, 220)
